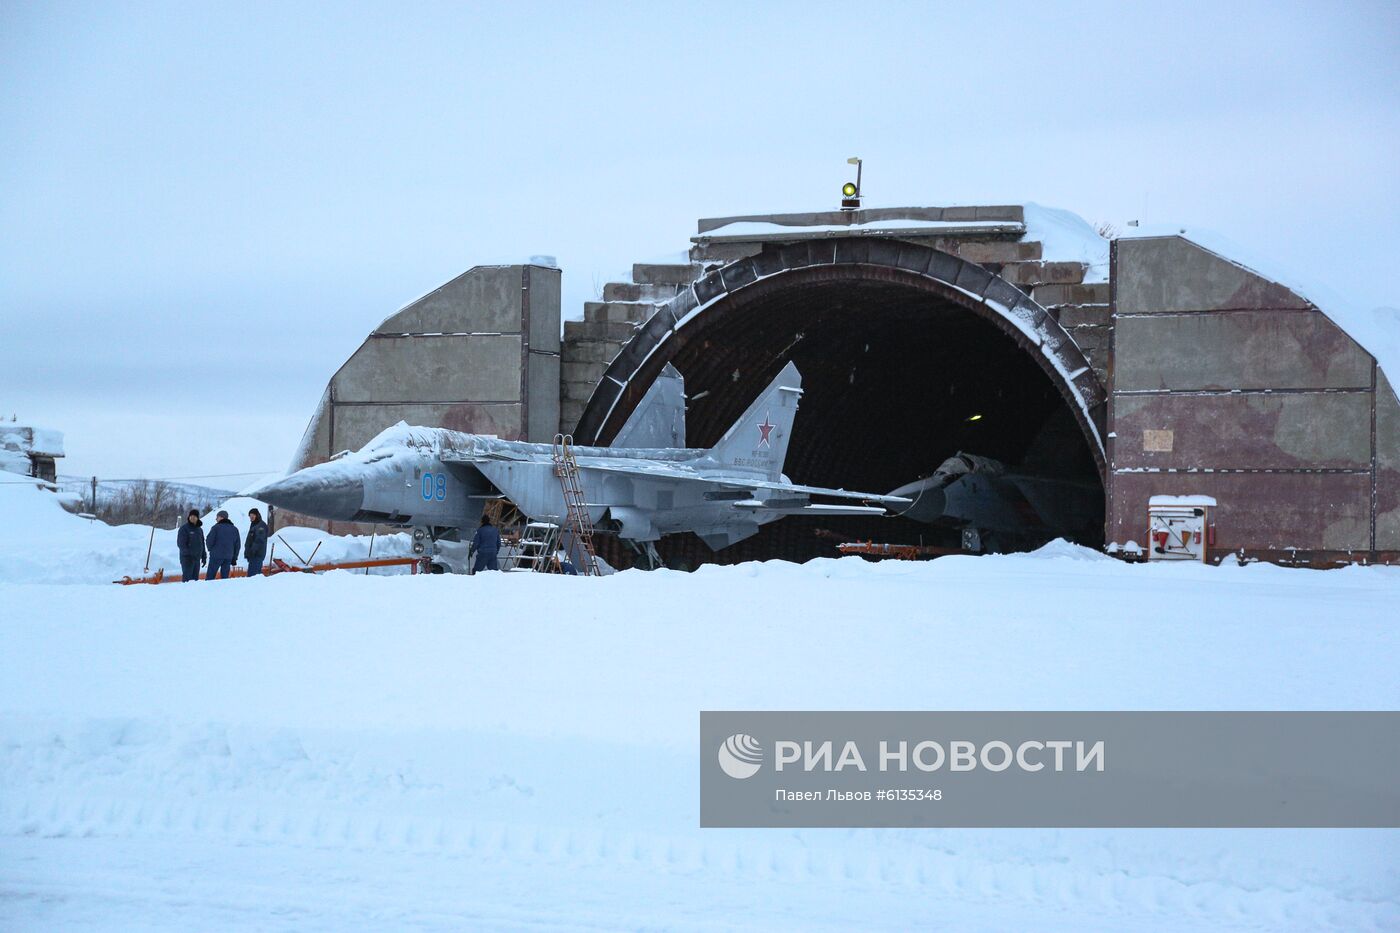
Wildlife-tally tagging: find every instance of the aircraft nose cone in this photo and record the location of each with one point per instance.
(321, 493)
(929, 503)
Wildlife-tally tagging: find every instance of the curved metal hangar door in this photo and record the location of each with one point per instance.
(901, 370)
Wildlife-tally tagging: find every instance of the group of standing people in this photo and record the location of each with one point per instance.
(219, 549)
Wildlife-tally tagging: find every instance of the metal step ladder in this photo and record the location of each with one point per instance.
(535, 550)
(576, 537)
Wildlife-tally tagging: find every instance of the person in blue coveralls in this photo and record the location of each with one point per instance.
(485, 544)
(190, 539)
(255, 546)
(223, 541)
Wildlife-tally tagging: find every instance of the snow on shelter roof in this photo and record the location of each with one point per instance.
(760, 230)
(1063, 235)
(1066, 237)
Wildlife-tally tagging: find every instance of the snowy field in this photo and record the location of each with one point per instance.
(40, 543)
(517, 752)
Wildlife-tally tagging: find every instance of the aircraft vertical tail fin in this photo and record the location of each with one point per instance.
(659, 419)
(758, 441)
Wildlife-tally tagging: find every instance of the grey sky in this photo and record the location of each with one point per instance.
(203, 211)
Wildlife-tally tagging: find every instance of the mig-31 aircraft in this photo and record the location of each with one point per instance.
(648, 484)
(1003, 508)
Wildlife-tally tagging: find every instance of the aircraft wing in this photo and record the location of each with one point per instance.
(651, 469)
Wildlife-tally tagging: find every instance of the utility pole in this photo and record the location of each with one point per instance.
(93, 510)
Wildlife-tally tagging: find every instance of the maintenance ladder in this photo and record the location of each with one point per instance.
(578, 527)
(535, 550)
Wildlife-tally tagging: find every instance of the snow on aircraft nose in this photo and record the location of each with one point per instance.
(323, 491)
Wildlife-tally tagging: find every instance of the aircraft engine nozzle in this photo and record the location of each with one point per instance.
(321, 491)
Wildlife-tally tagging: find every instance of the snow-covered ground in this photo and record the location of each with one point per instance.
(41, 543)
(517, 752)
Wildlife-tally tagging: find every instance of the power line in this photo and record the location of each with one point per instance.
(68, 477)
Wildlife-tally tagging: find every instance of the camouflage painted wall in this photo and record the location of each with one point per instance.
(1387, 465)
(1226, 384)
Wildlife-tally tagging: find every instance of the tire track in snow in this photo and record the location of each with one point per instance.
(907, 872)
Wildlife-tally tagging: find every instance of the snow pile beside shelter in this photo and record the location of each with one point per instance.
(1066, 237)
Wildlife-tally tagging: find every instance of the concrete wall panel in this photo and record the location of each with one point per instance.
(544, 398)
(1243, 350)
(1275, 431)
(1173, 274)
(316, 441)
(485, 299)
(418, 369)
(1387, 465)
(1192, 329)
(1387, 424)
(1272, 511)
(446, 378)
(356, 425)
(1388, 512)
(544, 309)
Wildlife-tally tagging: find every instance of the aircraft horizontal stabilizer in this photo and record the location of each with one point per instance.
(780, 507)
(820, 509)
(835, 493)
(651, 469)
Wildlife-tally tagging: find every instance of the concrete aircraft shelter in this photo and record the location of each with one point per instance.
(1148, 366)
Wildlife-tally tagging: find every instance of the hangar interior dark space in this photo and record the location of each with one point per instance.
(896, 377)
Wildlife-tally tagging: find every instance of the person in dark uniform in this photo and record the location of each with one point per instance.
(255, 545)
(191, 542)
(485, 544)
(223, 541)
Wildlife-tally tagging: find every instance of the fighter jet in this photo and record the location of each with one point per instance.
(648, 484)
(1000, 507)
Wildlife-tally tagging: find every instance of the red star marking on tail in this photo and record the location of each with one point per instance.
(765, 429)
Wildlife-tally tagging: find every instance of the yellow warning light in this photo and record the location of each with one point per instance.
(975, 418)
(849, 189)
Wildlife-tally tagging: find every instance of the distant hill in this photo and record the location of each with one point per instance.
(142, 501)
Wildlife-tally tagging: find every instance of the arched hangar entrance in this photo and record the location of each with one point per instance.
(908, 355)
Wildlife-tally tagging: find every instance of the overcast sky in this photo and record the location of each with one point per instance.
(203, 211)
